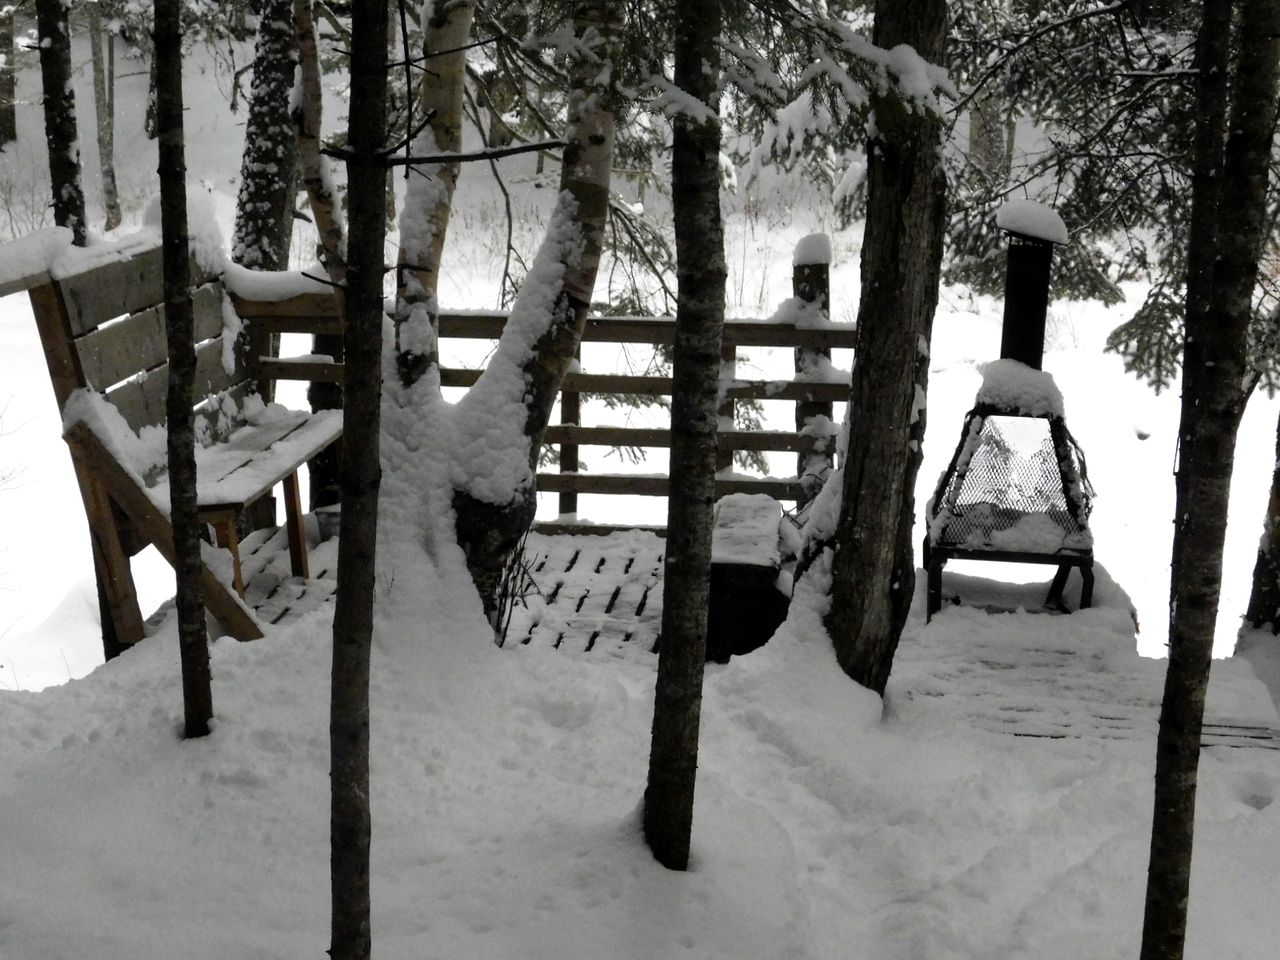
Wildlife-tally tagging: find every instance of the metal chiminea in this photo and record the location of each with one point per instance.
(1016, 489)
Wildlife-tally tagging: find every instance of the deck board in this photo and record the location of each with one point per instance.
(600, 595)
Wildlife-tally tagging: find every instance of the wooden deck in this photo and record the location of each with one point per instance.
(601, 596)
(271, 589)
(590, 594)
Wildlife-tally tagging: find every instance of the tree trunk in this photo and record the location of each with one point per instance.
(390, 206)
(1230, 219)
(103, 103)
(429, 188)
(150, 125)
(193, 643)
(323, 471)
(313, 167)
(361, 477)
(8, 79)
(700, 271)
(489, 533)
(874, 569)
(1264, 600)
(60, 117)
(268, 171)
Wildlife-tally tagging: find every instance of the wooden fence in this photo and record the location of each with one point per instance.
(813, 390)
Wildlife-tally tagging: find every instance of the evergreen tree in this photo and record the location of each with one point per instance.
(60, 116)
(873, 572)
(268, 171)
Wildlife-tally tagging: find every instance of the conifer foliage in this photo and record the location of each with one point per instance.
(269, 170)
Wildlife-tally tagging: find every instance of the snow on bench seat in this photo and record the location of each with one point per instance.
(256, 457)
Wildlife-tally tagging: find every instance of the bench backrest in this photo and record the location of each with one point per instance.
(106, 328)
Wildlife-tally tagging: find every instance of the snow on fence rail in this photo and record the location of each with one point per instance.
(814, 389)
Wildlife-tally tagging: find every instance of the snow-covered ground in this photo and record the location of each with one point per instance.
(1000, 808)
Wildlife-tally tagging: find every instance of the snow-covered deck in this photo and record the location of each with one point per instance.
(999, 665)
(272, 591)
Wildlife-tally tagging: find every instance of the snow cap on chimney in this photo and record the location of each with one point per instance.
(1031, 219)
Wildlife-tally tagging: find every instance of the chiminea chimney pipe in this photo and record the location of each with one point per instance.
(1033, 229)
(1026, 299)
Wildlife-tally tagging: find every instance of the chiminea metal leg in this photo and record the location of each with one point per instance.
(1054, 598)
(1086, 591)
(935, 588)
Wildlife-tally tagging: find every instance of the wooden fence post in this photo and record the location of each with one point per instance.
(811, 282)
(726, 413)
(571, 415)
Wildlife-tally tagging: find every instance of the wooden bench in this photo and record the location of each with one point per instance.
(103, 332)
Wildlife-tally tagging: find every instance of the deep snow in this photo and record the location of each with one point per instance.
(1000, 808)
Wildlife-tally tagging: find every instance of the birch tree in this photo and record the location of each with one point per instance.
(102, 54)
(1235, 125)
(873, 571)
(312, 164)
(701, 272)
(193, 643)
(429, 190)
(326, 213)
(541, 343)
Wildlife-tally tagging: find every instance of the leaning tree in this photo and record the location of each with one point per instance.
(873, 569)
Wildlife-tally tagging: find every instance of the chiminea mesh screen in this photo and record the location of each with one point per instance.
(1016, 484)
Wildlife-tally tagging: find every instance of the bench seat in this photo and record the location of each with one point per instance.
(235, 473)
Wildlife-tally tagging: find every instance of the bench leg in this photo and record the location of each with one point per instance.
(229, 539)
(122, 624)
(293, 527)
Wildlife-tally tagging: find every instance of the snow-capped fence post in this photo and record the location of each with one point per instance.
(811, 283)
(1033, 230)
